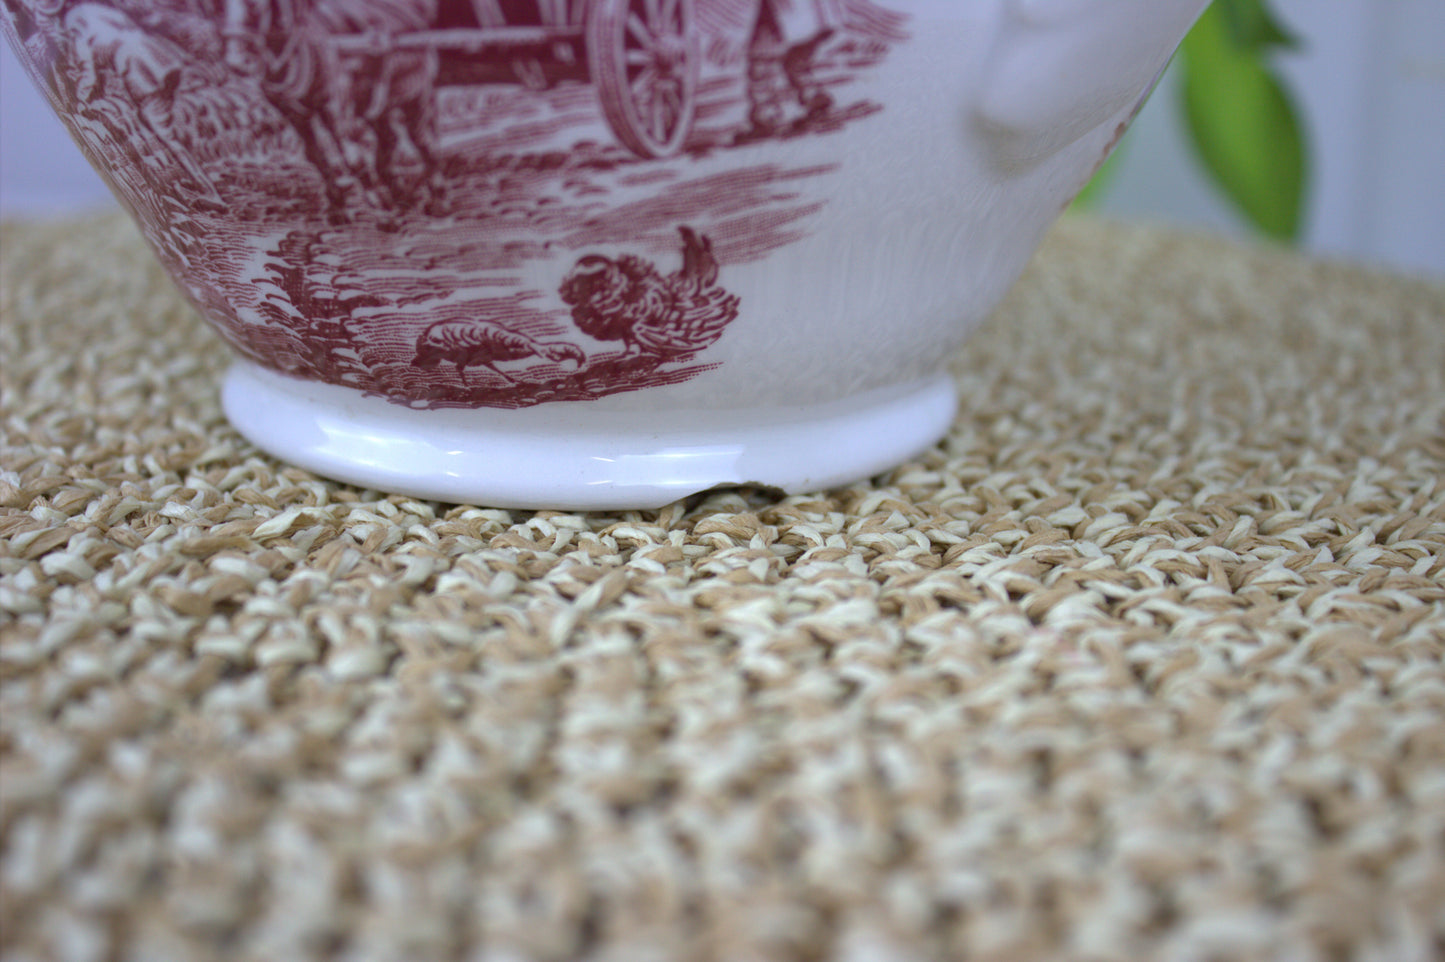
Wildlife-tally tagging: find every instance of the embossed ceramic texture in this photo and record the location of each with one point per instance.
(594, 253)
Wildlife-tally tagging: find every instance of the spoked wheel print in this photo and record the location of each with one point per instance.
(644, 60)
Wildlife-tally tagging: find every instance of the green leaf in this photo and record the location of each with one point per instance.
(1244, 125)
(1253, 27)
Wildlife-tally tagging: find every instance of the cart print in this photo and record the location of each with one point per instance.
(368, 192)
(642, 57)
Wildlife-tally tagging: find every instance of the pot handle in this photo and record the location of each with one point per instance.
(1061, 68)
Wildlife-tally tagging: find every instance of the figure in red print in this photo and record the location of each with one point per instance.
(127, 80)
(333, 71)
(393, 94)
(783, 89)
(629, 300)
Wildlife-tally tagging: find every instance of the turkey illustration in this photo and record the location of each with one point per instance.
(474, 343)
(629, 300)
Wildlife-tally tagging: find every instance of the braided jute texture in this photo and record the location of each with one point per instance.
(1145, 661)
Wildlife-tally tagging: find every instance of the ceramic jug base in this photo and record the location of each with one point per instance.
(568, 457)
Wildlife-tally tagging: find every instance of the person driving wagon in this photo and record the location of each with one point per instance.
(782, 53)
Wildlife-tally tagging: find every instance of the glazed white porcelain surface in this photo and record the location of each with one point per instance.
(704, 242)
(572, 457)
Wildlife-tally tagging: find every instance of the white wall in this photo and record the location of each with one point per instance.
(1370, 81)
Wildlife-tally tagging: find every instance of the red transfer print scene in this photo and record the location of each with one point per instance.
(371, 189)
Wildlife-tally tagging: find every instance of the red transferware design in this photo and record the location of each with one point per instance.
(461, 203)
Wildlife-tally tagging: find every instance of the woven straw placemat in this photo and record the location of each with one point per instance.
(1145, 661)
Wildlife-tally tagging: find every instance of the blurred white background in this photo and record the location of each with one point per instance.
(1369, 79)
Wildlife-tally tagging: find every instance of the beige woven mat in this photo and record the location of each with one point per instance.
(1146, 661)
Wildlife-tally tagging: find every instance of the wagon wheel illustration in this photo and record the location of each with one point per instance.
(644, 59)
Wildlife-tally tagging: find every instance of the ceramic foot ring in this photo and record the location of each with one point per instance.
(569, 458)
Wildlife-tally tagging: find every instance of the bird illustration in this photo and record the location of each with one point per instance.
(476, 343)
(629, 300)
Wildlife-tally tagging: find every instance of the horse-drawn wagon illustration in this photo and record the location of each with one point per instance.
(641, 56)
